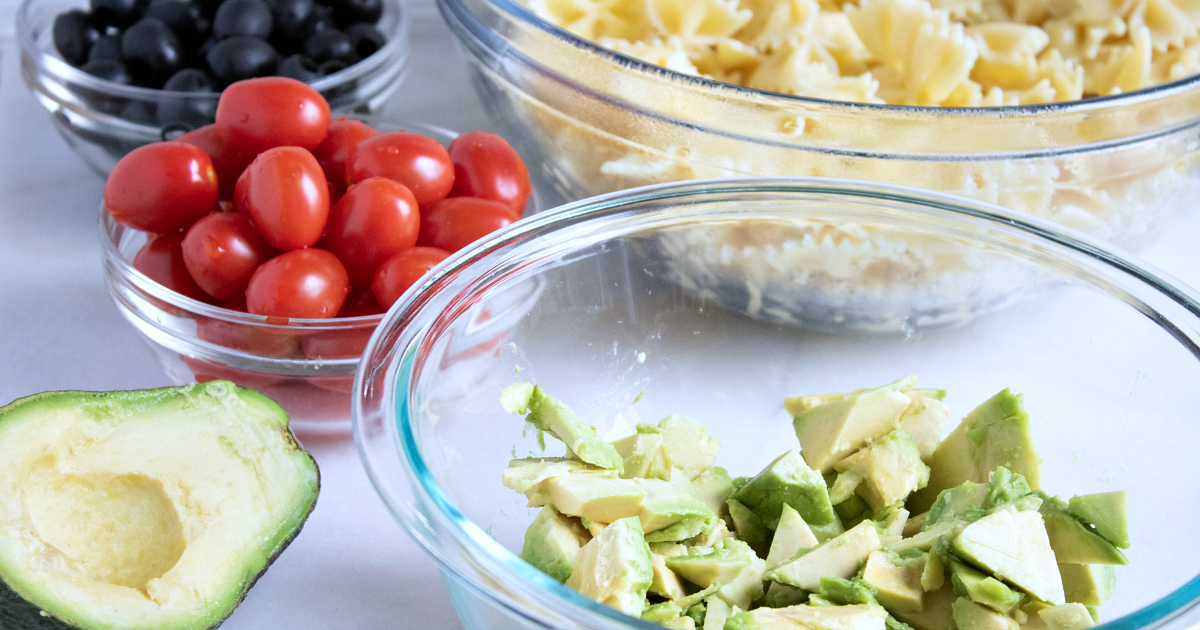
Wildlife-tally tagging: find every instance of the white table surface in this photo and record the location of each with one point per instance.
(352, 566)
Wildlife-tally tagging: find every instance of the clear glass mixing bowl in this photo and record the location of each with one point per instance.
(595, 121)
(1106, 355)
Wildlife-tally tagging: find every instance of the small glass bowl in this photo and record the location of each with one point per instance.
(307, 365)
(1107, 357)
(87, 111)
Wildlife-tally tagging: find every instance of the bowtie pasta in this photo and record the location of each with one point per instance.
(954, 53)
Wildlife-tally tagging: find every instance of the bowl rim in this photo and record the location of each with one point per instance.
(48, 61)
(485, 553)
(520, 12)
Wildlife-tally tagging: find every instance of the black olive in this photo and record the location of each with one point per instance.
(138, 112)
(241, 57)
(109, 70)
(350, 11)
(190, 112)
(298, 67)
(208, 8)
(107, 47)
(319, 19)
(365, 39)
(183, 17)
(151, 51)
(119, 13)
(291, 17)
(328, 45)
(74, 36)
(243, 17)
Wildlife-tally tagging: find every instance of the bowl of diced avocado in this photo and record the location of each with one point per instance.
(632, 455)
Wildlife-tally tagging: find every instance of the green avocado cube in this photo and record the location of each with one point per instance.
(891, 469)
(1072, 541)
(938, 612)
(983, 589)
(1067, 617)
(781, 596)
(1005, 486)
(732, 565)
(551, 415)
(661, 613)
(831, 431)
(1106, 511)
(897, 583)
(791, 535)
(687, 445)
(716, 613)
(615, 568)
(838, 557)
(926, 419)
(853, 511)
(747, 524)
(971, 616)
(665, 583)
(788, 480)
(854, 617)
(965, 502)
(713, 488)
(1014, 547)
(995, 434)
(1088, 584)
(669, 513)
(643, 456)
(843, 592)
(523, 475)
(594, 498)
(552, 542)
(933, 573)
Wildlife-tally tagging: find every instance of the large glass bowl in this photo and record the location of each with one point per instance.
(595, 121)
(93, 114)
(1106, 357)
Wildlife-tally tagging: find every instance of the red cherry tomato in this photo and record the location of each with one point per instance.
(486, 166)
(420, 163)
(161, 187)
(454, 223)
(284, 192)
(227, 161)
(344, 134)
(360, 303)
(306, 283)
(221, 251)
(403, 270)
(258, 114)
(161, 259)
(375, 219)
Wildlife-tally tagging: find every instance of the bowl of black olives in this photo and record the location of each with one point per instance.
(118, 74)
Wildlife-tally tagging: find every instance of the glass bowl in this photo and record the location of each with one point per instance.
(595, 121)
(307, 365)
(1106, 357)
(93, 114)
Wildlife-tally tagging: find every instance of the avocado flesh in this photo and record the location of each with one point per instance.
(153, 509)
(616, 567)
(788, 480)
(891, 469)
(1107, 512)
(837, 557)
(1072, 541)
(897, 584)
(938, 613)
(855, 617)
(969, 615)
(551, 415)
(1014, 547)
(1088, 584)
(831, 431)
(552, 542)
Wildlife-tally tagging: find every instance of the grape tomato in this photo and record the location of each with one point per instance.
(161, 187)
(422, 164)
(344, 134)
(403, 270)
(305, 283)
(376, 218)
(486, 166)
(227, 161)
(221, 252)
(161, 259)
(259, 114)
(452, 224)
(285, 193)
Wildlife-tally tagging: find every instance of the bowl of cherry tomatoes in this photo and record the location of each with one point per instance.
(264, 249)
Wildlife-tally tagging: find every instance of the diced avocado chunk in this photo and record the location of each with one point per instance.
(1067, 617)
(995, 434)
(915, 524)
(1106, 511)
(552, 542)
(788, 480)
(681, 623)
(938, 613)
(838, 557)
(983, 589)
(1088, 584)
(698, 614)
(594, 498)
(843, 487)
(795, 405)
(669, 513)
(716, 612)
(1072, 541)
(933, 573)
(523, 475)
(1005, 486)
(843, 592)
(791, 535)
(659, 613)
(551, 415)
(855, 617)
(891, 469)
(898, 583)
(831, 431)
(615, 568)
(643, 456)
(853, 511)
(665, 583)
(926, 419)
(971, 616)
(890, 522)
(713, 488)
(732, 564)
(147, 509)
(965, 502)
(1014, 547)
(747, 524)
(688, 445)
(781, 596)
(944, 529)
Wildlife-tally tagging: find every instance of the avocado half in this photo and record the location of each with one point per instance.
(151, 509)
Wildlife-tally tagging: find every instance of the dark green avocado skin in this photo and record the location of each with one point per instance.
(17, 613)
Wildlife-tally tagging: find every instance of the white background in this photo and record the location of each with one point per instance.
(352, 566)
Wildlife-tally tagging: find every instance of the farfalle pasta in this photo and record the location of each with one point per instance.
(952, 53)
